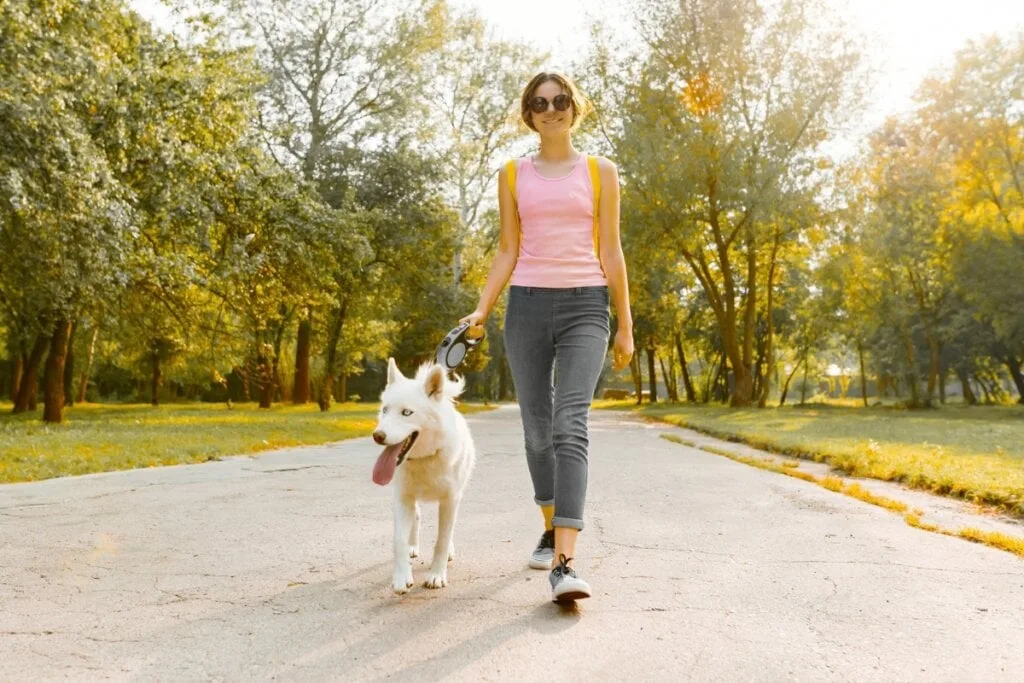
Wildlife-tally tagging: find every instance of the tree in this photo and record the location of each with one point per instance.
(472, 98)
(976, 110)
(732, 101)
(341, 75)
(64, 218)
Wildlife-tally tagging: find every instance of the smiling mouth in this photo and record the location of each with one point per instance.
(390, 458)
(407, 446)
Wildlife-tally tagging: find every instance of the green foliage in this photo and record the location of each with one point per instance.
(187, 199)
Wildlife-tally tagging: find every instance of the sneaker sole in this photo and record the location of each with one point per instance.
(570, 596)
(541, 564)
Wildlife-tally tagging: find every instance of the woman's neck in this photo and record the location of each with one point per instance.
(557, 149)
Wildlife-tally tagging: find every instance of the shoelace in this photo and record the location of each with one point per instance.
(547, 540)
(563, 567)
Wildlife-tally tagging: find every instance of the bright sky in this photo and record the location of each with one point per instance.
(908, 38)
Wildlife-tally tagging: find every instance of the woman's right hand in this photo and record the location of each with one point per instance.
(476, 320)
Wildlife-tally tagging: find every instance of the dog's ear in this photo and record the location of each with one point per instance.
(393, 372)
(434, 385)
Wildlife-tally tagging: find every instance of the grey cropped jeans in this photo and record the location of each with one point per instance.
(556, 340)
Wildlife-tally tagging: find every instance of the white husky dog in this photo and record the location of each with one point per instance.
(428, 442)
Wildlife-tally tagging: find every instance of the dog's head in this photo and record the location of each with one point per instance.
(410, 409)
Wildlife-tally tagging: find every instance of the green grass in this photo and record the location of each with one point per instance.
(100, 437)
(973, 453)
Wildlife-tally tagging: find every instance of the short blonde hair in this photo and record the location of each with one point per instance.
(580, 104)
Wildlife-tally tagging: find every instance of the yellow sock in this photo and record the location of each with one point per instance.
(548, 511)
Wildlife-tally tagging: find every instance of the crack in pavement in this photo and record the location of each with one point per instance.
(283, 469)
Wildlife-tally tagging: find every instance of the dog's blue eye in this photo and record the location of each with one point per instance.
(406, 412)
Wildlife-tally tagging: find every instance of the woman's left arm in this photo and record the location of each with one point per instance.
(614, 262)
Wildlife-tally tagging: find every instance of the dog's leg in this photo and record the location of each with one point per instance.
(446, 511)
(414, 536)
(405, 514)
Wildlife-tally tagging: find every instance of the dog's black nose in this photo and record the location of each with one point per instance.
(379, 436)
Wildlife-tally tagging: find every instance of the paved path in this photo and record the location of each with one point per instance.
(279, 567)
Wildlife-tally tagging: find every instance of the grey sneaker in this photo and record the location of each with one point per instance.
(544, 554)
(565, 585)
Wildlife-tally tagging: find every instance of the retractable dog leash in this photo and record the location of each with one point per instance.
(456, 345)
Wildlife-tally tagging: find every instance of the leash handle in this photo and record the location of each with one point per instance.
(457, 343)
(475, 334)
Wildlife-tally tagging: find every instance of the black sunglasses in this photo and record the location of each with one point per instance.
(539, 105)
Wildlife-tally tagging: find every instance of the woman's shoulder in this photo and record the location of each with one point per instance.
(511, 161)
(604, 163)
(515, 162)
(606, 167)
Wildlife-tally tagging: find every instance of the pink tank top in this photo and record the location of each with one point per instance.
(556, 246)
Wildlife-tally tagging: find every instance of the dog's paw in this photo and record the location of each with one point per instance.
(451, 554)
(402, 581)
(414, 551)
(436, 580)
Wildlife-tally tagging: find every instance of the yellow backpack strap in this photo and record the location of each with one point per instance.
(595, 180)
(510, 171)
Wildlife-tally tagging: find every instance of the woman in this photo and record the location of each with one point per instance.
(562, 263)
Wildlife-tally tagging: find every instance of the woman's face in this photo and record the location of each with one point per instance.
(551, 122)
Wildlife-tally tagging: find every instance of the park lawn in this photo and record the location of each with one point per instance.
(103, 437)
(974, 453)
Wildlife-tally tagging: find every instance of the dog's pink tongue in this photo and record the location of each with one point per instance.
(384, 470)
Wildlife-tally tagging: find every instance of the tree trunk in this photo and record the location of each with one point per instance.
(726, 318)
(83, 383)
(984, 389)
(33, 395)
(246, 378)
(265, 369)
(933, 366)
(755, 373)
(769, 365)
(968, 392)
(743, 382)
(712, 378)
(743, 391)
(18, 369)
(638, 380)
(1014, 365)
(69, 368)
(502, 377)
(154, 381)
(803, 386)
(691, 395)
(770, 352)
(652, 377)
(300, 386)
(785, 385)
(863, 374)
(275, 373)
(915, 390)
(53, 377)
(25, 400)
(327, 384)
(765, 377)
(671, 386)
